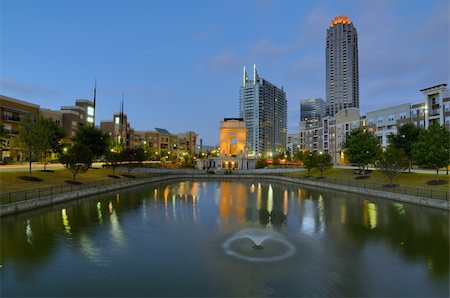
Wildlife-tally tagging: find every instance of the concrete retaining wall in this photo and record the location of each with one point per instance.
(50, 200)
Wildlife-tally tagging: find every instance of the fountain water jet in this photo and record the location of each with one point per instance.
(277, 247)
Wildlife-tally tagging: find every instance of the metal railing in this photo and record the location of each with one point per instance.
(27, 194)
(401, 189)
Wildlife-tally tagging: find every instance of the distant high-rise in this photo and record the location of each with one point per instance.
(263, 107)
(312, 108)
(342, 77)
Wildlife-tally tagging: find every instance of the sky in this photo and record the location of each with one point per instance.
(179, 62)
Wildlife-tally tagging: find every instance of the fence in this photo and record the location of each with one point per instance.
(407, 190)
(12, 197)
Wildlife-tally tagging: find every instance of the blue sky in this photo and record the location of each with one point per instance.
(180, 63)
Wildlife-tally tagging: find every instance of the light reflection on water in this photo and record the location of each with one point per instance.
(149, 236)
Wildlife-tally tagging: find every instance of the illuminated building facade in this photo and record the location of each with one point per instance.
(263, 107)
(120, 130)
(342, 75)
(233, 153)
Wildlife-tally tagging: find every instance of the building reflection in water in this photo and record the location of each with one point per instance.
(343, 214)
(369, 214)
(116, 229)
(29, 232)
(65, 221)
(99, 212)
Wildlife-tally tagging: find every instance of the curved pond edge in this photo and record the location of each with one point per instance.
(21, 206)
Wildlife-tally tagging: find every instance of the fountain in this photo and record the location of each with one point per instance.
(243, 244)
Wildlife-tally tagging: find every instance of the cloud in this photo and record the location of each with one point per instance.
(224, 62)
(264, 47)
(11, 86)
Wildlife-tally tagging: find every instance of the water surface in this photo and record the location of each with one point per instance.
(174, 240)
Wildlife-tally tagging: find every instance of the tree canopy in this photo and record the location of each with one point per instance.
(91, 136)
(405, 139)
(432, 148)
(361, 148)
(392, 161)
(77, 159)
(309, 160)
(324, 161)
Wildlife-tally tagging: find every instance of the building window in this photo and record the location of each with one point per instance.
(447, 119)
(403, 115)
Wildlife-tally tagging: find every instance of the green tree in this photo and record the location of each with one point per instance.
(133, 158)
(309, 160)
(298, 156)
(187, 160)
(361, 147)
(432, 148)
(324, 161)
(261, 163)
(97, 141)
(114, 159)
(77, 159)
(30, 139)
(392, 161)
(52, 136)
(405, 139)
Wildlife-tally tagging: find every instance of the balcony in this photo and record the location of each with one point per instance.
(11, 118)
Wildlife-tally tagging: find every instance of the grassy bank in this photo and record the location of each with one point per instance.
(404, 179)
(10, 181)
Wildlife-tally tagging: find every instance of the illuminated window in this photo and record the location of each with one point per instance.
(90, 111)
(90, 119)
(117, 120)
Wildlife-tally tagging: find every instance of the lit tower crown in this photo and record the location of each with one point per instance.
(342, 75)
(340, 20)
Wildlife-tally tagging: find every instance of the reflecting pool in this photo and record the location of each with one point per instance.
(226, 238)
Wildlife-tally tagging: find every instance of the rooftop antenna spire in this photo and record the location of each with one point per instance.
(95, 98)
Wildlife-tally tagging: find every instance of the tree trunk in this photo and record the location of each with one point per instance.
(437, 174)
(45, 161)
(29, 160)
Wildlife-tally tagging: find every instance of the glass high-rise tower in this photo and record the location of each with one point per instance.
(342, 76)
(263, 106)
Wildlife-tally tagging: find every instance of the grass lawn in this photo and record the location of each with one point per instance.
(377, 177)
(10, 182)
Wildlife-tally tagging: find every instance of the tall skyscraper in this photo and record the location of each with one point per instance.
(263, 106)
(342, 76)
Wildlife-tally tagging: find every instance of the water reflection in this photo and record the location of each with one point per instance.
(65, 221)
(419, 235)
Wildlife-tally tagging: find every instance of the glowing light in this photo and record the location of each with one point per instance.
(340, 20)
(372, 215)
(90, 111)
(270, 199)
(110, 206)
(252, 188)
(65, 221)
(99, 212)
(29, 232)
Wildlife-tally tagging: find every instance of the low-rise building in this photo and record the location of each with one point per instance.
(120, 130)
(13, 111)
(386, 121)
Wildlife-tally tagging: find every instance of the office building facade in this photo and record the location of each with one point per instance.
(263, 107)
(342, 75)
